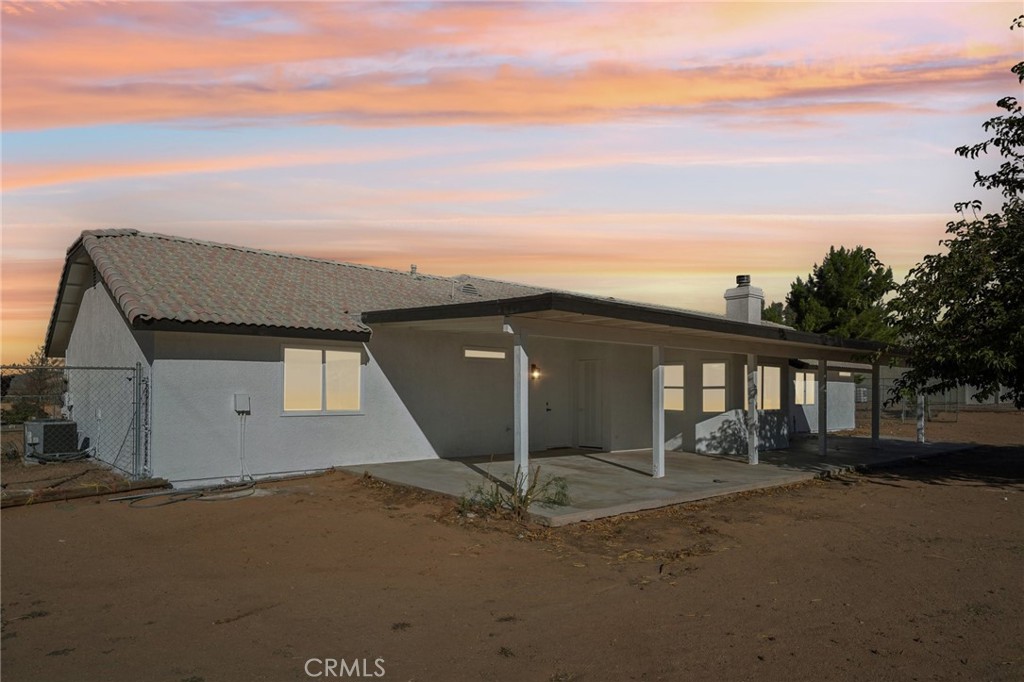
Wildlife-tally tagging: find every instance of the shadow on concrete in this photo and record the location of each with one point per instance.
(610, 483)
(483, 465)
(605, 460)
(488, 476)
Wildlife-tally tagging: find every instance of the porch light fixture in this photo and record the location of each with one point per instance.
(534, 372)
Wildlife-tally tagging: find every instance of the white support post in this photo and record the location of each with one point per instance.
(920, 417)
(822, 407)
(876, 405)
(752, 416)
(658, 412)
(521, 411)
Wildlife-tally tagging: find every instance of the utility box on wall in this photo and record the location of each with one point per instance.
(243, 404)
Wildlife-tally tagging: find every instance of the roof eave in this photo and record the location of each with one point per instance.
(619, 310)
(71, 258)
(164, 325)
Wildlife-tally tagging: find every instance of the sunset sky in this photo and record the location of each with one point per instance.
(648, 151)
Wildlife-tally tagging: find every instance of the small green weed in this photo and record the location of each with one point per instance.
(515, 496)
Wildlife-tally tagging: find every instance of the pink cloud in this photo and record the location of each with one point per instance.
(596, 253)
(25, 175)
(359, 66)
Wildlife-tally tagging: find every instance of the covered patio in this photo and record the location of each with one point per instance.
(603, 484)
(649, 384)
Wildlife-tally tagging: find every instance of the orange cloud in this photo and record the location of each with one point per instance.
(29, 289)
(659, 258)
(509, 95)
(336, 64)
(25, 175)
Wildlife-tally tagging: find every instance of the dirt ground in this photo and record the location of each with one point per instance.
(1004, 427)
(909, 573)
(65, 476)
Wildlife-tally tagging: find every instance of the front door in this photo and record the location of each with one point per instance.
(588, 404)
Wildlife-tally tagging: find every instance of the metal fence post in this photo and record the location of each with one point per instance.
(137, 458)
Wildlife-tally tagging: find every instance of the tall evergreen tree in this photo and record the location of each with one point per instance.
(844, 296)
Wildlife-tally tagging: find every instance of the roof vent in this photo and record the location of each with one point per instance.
(741, 280)
(469, 289)
(412, 269)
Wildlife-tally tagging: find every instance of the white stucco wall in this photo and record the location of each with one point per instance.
(102, 337)
(841, 406)
(421, 398)
(464, 406)
(726, 433)
(197, 434)
(101, 401)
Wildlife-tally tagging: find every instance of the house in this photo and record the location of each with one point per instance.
(260, 363)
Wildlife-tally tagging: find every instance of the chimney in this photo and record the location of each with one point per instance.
(744, 302)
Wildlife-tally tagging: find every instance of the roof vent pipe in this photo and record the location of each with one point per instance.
(412, 269)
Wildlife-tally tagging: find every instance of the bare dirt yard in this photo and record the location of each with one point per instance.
(1004, 427)
(908, 573)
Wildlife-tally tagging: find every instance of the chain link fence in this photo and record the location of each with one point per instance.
(940, 407)
(53, 414)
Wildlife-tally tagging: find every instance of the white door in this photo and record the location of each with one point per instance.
(588, 404)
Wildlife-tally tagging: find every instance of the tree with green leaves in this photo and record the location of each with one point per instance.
(961, 313)
(844, 296)
(34, 393)
(778, 313)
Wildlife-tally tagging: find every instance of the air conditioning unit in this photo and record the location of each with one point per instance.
(50, 437)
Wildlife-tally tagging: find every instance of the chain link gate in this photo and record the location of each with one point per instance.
(55, 414)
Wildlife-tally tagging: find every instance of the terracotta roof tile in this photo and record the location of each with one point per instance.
(159, 277)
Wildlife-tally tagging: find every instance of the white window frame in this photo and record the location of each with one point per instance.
(704, 387)
(681, 387)
(760, 387)
(324, 349)
(801, 381)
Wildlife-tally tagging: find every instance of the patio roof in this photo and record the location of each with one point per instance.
(572, 316)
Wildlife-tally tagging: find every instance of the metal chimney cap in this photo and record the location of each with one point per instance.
(743, 280)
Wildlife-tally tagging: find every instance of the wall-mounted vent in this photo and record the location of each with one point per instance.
(469, 289)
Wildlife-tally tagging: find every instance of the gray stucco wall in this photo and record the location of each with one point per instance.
(102, 337)
(464, 406)
(421, 398)
(197, 434)
(841, 407)
(461, 406)
(695, 430)
(101, 401)
(726, 433)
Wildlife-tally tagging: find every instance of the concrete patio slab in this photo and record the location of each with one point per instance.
(605, 484)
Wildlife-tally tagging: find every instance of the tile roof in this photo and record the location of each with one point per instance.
(157, 277)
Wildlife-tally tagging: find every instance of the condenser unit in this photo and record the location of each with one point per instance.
(50, 437)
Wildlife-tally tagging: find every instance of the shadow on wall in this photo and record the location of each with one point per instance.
(801, 422)
(726, 433)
